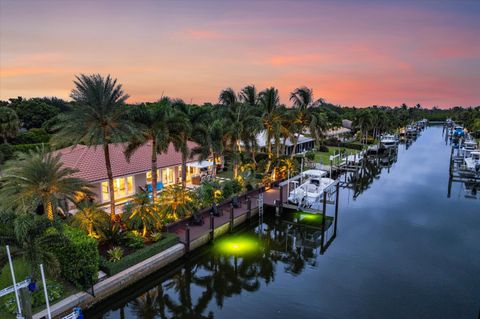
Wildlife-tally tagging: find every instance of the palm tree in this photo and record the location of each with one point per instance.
(176, 202)
(302, 99)
(98, 117)
(89, 217)
(38, 177)
(34, 236)
(208, 135)
(142, 213)
(248, 95)
(238, 121)
(181, 131)
(363, 121)
(9, 123)
(153, 122)
(269, 102)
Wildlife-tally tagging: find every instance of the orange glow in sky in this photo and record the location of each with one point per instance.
(351, 53)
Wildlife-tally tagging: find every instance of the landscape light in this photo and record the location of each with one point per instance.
(237, 245)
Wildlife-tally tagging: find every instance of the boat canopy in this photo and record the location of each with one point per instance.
(201, 164)
(314, 173)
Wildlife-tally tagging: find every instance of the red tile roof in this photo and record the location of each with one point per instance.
(90, 161)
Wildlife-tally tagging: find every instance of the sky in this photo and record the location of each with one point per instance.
(352, 53)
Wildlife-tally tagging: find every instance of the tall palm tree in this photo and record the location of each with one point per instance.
(238, 121)
(98, 117)
(208, 135)
(248, 95)
(269, 102)
(9, 123)
(153, 122)
(363, 121)
(38, 177)
(306, 117)
(181, 131)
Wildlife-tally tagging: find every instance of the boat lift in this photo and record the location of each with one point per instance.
(76, 314)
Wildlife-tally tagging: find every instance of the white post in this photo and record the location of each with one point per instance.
(17, 298)
(288, 182)
(301, 171)
(45, 292)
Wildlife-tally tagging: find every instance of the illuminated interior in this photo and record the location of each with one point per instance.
(122, 187)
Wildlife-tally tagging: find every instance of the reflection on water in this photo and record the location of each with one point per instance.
(402, 249)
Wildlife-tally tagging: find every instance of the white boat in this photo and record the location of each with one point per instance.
(389, 141)
(411, 130)
(468, 147)
(310, 191)
(472, 163)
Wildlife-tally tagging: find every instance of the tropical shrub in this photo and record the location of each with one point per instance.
(134, 240)
(112, 268)
(6, 152)
(78, 256)
(25, 148)
(89, 217)
(142, 214)
(323, 148)
(54, 289)
(111, 234)
(156, 236)
(310, 155)
(32, 136)
(176, 202)
(115, 254)
(206, 193)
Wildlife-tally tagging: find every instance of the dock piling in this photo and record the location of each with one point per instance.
(187, 238)
(212, 227)
(231, 217)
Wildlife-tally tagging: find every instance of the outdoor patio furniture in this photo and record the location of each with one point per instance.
(197, 219)
(236, 203)
(215, 211)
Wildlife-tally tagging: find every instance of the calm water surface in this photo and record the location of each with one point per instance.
(402, 250)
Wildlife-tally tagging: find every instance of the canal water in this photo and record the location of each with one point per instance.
(403, 249)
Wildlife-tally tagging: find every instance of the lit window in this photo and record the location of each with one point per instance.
(129, 185)
(167, 176)
(149, 177)
(105, 194)
(122, 187)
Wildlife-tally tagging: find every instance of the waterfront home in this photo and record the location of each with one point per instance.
(130, 176)
(287, 145)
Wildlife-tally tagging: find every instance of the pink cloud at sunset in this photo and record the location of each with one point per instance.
(350, 53)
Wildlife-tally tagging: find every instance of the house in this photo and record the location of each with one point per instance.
(129, 176)
(304, 143)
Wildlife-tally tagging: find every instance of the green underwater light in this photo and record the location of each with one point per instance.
(309, 217)
(237, 245)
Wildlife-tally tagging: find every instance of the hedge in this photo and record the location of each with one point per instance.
(78, 256)
(27, 147)
(112, 268)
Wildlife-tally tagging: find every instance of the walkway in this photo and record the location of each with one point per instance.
(196, 231)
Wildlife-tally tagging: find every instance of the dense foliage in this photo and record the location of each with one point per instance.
(78, 256)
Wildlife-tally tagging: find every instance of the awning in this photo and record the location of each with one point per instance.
(201, 164)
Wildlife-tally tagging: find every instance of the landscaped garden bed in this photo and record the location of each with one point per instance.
(134, 257)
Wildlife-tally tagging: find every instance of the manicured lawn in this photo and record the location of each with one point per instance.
(324, 157)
